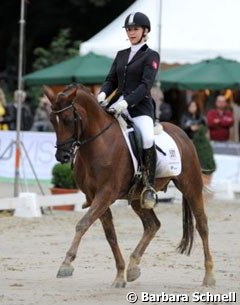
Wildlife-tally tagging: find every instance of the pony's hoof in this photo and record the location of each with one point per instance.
(65, 271)
(209, 281)
(119, 284)
(133, 274)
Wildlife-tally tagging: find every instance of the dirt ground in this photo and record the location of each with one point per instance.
(31, 251)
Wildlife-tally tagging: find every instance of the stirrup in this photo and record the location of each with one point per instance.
(147, 203)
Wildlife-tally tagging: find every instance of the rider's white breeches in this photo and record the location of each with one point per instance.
(145, 124)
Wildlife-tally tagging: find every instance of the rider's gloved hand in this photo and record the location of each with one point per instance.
(119, 107)
(102, 99)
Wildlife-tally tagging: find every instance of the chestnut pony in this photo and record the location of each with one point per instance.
(104, 171)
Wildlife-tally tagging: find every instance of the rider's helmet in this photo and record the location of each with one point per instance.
(137, 19)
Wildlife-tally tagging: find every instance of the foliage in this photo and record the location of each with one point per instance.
(61, 48)
(62, 176)
(97, 3)
(204, 151)
(43, 20)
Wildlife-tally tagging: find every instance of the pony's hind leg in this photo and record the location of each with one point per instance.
(151, 225)
(107, 223)
(202, 227)
(193, 204)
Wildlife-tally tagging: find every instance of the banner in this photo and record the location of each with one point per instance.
(39, 148)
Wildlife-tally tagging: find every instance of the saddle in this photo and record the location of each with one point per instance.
(135, 138)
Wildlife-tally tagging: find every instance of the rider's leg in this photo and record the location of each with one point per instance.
(150, 160)
(146, 126)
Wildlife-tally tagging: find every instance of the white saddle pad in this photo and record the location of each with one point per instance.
(168, 165)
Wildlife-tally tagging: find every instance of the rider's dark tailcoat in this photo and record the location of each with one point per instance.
(133, 80)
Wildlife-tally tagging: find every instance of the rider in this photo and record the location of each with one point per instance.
(133, 74)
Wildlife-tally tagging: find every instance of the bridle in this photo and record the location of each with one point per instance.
(74, 141)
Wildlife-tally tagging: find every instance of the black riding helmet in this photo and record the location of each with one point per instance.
(137, 19)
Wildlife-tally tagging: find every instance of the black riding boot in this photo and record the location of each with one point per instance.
(149, 194)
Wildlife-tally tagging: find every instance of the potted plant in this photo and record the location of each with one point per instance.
(63, 183)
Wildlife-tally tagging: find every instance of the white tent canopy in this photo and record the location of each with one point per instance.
(191, 30)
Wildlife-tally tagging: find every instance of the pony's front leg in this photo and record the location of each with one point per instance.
(151, 225)
(108, 226)
(96, 210)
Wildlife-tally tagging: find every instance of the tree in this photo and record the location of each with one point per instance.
(61, 48)
(44, 19)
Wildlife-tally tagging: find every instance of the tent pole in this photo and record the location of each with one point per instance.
(159, 39)
(160, 28)
(19, 101)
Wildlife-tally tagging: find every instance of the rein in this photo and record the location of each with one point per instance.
(74, 140)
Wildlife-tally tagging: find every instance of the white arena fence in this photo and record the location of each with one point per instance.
(29, 204)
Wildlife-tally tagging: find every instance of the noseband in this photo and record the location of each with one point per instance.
(75, 141)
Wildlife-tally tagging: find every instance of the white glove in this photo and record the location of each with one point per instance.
(120, 106)
(101, 99)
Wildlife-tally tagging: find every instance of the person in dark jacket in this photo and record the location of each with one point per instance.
(132, 75)
(194, 124)
(192, 120)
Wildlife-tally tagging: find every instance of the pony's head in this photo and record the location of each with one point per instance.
(66, 120)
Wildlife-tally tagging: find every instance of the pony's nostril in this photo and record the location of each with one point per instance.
(66, 157)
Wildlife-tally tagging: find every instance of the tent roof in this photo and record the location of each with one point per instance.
(191, 30)
(88, 69)
(218, 73)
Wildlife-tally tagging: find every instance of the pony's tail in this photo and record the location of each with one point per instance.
(186, 243)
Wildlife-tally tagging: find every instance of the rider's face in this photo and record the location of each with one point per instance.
(134, 34)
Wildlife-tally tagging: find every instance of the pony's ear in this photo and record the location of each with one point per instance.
(78, 91)
(72, 94)
(49, 93)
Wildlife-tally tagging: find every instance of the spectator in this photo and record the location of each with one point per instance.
(163, 110)
(194, 124)
(2, 110)
(10, 117)
(220, 120)
(192, 120)
(236, 115)
(41, 118)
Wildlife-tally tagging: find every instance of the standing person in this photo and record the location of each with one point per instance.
(41, 117)
(192, 120)
(163, 110)
(220, 120)
(132, 75)
(10, 118)
(2, 110)
(194, 124)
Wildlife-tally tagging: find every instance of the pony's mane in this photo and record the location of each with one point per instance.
(80, 93)
(76, 86)
(73, 90)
